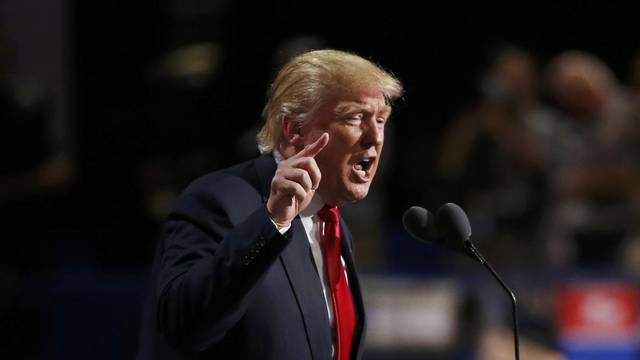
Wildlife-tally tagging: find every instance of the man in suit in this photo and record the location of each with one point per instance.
(256, 263)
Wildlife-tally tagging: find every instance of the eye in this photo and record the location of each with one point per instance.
(354, 118)
(381, 120)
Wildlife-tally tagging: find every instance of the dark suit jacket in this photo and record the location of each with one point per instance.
(227, 285)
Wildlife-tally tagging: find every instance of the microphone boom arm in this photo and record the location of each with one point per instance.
(514, 309)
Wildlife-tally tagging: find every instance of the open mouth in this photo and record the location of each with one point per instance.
(362, 169)
(364, 165)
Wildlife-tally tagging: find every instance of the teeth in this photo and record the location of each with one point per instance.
(363, 166)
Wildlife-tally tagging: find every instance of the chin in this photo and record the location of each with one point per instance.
(358, 192)
(347, 194)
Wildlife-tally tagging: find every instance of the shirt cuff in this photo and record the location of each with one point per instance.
(282, 230)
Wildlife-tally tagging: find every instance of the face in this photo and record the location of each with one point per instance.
(519, 72)
(355, 122)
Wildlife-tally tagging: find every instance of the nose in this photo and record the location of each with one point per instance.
(373, 134)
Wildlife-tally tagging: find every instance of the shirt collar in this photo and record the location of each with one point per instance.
(277, 156)
(314, 206)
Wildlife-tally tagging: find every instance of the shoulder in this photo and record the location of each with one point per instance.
(238, 186)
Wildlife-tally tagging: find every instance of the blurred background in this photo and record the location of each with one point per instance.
(527, 115)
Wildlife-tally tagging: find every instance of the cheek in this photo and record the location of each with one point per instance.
(331, 161)
(346, 136)
(336, 153)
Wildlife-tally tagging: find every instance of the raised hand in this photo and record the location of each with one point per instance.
(295, 182)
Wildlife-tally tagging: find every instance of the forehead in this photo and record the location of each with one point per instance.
(354, 101)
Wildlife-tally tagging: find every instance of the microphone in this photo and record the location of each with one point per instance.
(449, 225)
(419, 223)
(451, 229)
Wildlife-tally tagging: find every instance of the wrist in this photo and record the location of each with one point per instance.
(280, 224)
(282, 228)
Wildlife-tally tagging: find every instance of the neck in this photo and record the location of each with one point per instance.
(314, 206)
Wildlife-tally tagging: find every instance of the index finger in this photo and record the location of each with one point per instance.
(314, 148)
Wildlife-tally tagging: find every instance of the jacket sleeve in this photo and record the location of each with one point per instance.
(209, 266)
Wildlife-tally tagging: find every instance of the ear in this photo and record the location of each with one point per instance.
(291, 133)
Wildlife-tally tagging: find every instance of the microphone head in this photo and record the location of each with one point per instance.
(419, 223)
(453, 227)
(453, 222)
(449, 228)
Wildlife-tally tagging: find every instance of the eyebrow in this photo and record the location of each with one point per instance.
(352, 107)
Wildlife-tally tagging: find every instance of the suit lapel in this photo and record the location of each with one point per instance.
(308, 290)
(354, 285)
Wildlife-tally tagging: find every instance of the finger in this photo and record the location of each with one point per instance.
(292, 188)
(301, 176)
(314, 148)
(310, 165)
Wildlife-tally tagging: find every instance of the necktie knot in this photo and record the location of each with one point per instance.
(329, 214)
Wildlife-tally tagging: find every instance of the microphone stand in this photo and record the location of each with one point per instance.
(472, 249)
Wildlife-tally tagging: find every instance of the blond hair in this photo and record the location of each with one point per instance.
(307, 78)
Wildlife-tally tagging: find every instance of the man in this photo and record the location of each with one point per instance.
(593, 163)
(255, 264)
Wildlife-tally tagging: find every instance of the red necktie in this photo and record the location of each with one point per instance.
(340, 293)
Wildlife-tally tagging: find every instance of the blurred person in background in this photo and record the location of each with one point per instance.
(631, 252)
(494, 156)
(635, 89)
(594, 163)
(250, 267)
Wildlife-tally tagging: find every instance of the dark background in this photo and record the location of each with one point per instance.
(132, 131)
